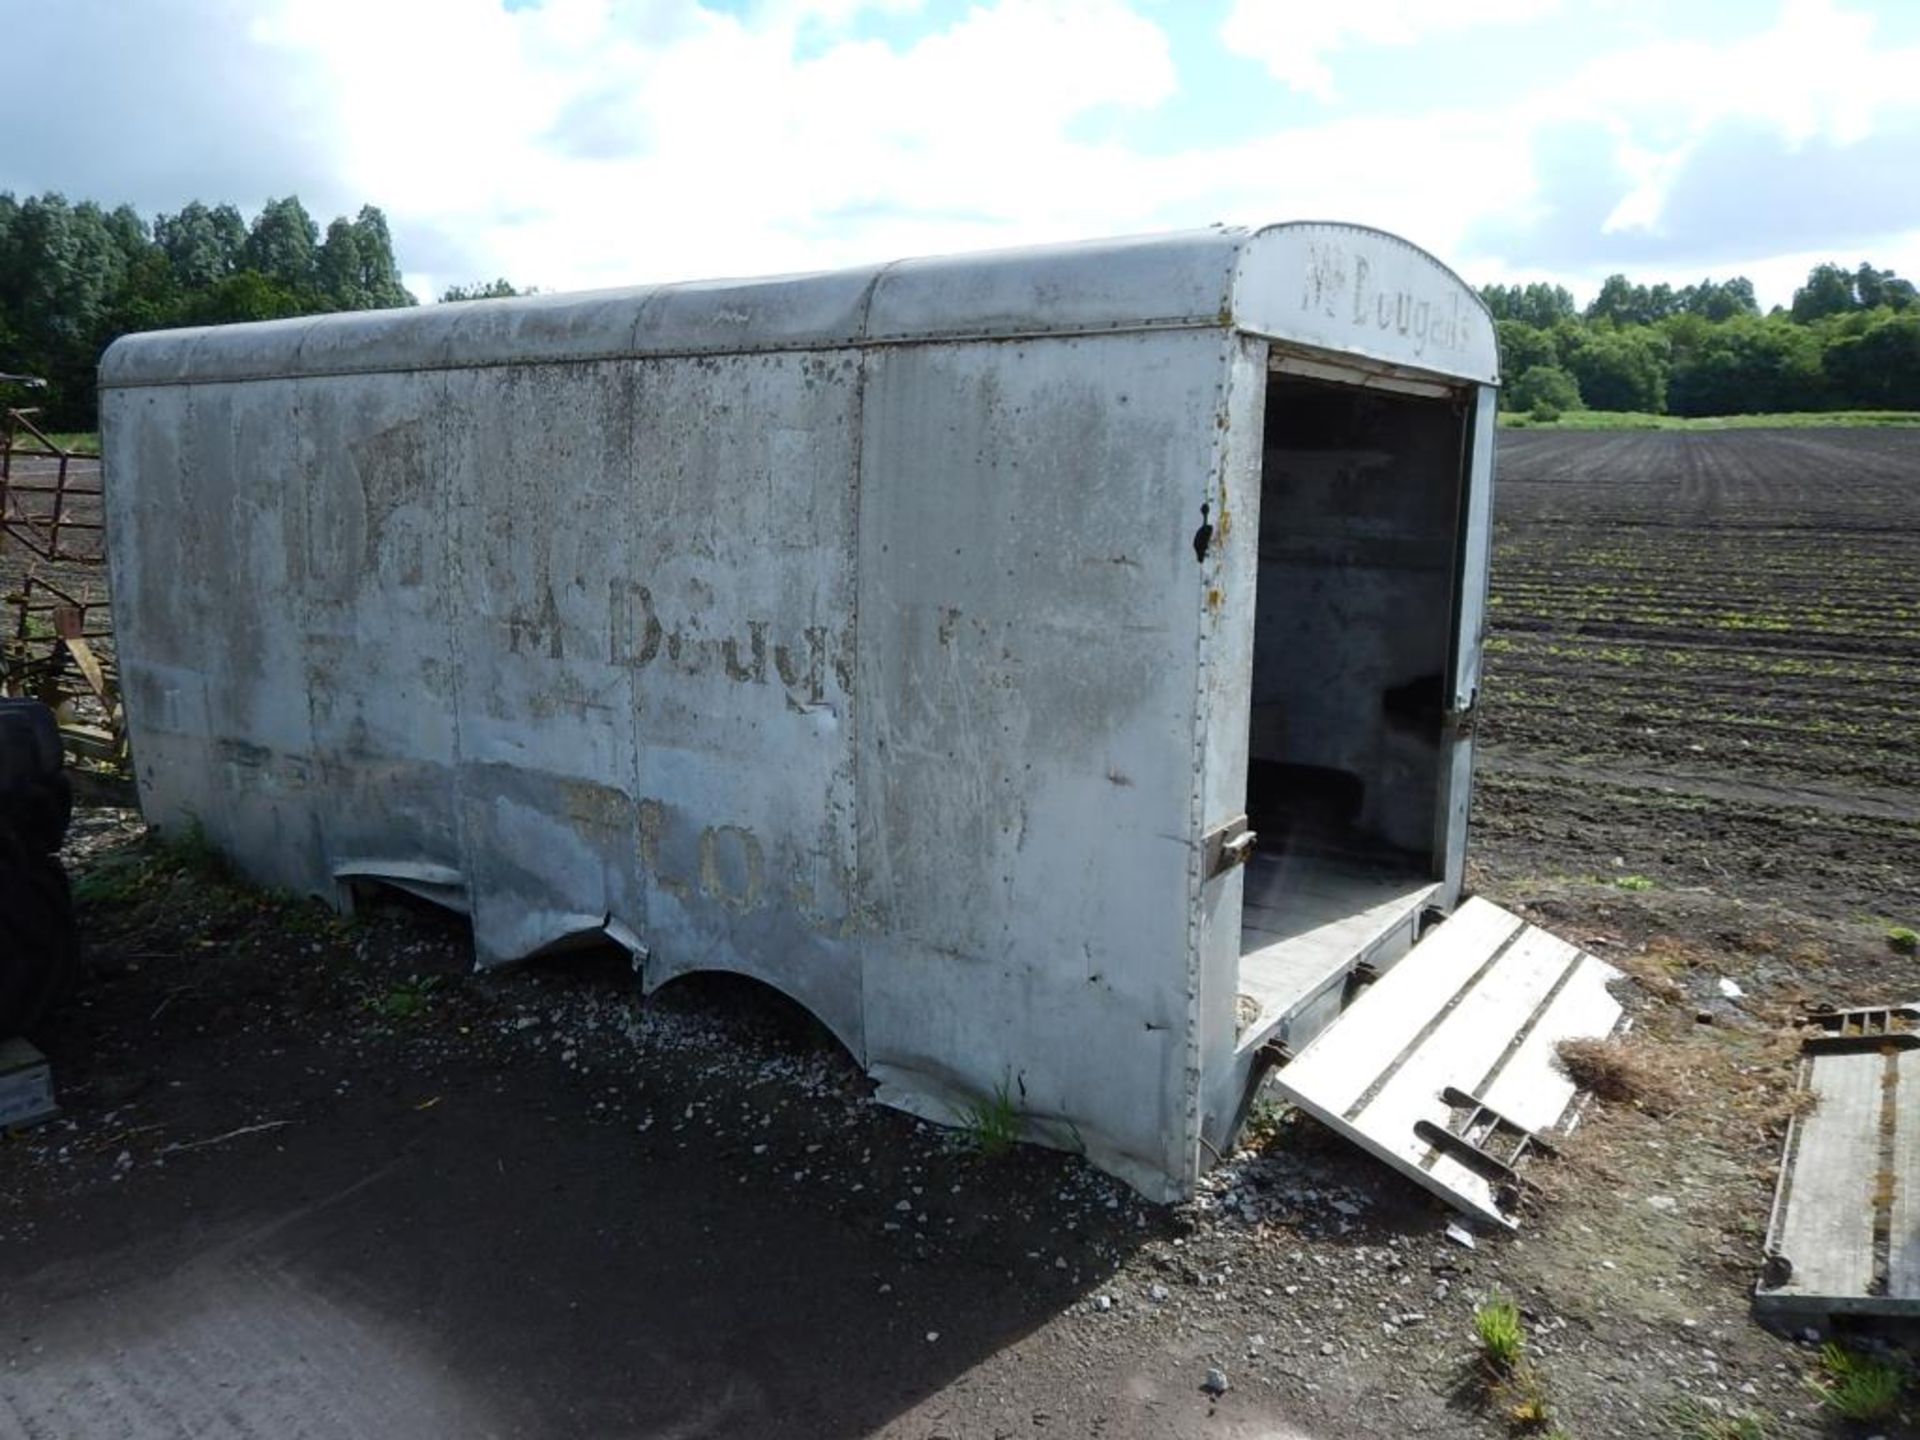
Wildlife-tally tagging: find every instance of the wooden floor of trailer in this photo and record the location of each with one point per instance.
(1307, 920)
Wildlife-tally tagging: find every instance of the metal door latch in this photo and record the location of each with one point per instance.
(1230, 845)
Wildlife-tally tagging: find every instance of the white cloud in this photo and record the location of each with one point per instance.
(1815, 74)
(572, 145)
(1294, 38)
(597, 142)
(586, 142)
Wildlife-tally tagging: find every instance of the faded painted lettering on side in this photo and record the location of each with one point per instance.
(758, 655)
(1343, 283)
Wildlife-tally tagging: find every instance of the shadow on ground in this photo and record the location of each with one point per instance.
(467, 1218)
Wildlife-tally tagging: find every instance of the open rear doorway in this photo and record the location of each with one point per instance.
(1360, 508)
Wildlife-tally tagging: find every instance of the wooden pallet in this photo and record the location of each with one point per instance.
(1844, 1237)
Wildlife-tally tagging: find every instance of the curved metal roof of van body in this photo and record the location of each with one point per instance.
(1342, 289)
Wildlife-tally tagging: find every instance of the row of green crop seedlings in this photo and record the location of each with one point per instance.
(1840, 611)
(1688, 593)
(1812, 625)
(1735, 664)
(1712, 571)
(1808, 552)
(1659, 697)
(1884, 764)
(1663, 806)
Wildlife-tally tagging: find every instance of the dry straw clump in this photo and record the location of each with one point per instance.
(1626, 1072)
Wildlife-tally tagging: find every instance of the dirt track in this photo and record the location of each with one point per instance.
(317, 1178)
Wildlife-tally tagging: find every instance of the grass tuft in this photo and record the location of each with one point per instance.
(1692, 1419)
(116, 879)
(992, 1125)
(1512, 1387)
(124, 877)
(1502, 1338)
(405, 1000)
(1528, 1411)
(1857, 1387)
(1903, 940)
(1266, 1122)
(192, 853)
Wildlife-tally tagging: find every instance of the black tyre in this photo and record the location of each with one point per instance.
(36, 798)
(39, 946)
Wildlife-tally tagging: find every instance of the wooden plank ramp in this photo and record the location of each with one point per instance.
(1845, 1233)
(1457, 1039)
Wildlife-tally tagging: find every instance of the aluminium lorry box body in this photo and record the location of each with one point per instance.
(923, 640)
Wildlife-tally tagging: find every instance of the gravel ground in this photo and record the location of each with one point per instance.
(314, 1176)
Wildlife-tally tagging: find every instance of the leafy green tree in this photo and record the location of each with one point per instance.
(203, 246)
(1539, 305)
(1615, 301)
(490, 290)
(355, 268)
(149, 298)
(63, 268)
(283, 244)
(246, 295)
(59, 280)
(1544, 391)
(1875, 288)
(380, 286)
(339, 268)
(1749, 365)
(1717, 299)
(1834, 290)
(1879, 368)
(1828, 291)
(129, 232)
(1620, 367)
(1523, 347)
(73, 276)
(1625, 303)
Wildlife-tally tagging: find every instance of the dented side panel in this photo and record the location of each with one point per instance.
(734, 618)
(541, 528)
(576, 638)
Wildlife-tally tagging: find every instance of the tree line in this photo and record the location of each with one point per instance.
(73, 276)
(1849, 341)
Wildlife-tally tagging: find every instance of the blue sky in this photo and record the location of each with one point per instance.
(570, 143)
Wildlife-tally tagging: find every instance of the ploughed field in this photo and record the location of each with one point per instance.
(1704, 666)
